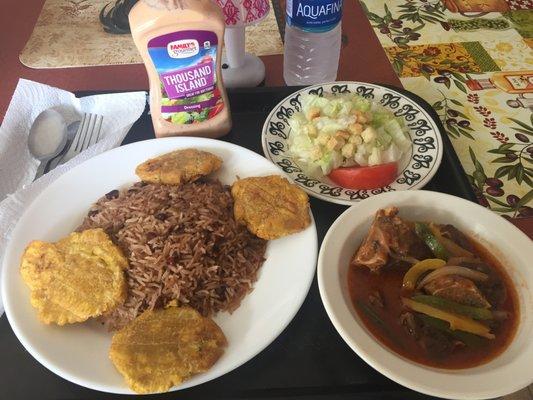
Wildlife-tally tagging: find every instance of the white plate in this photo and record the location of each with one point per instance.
(79, 352)
(417, 167)
(507, 373)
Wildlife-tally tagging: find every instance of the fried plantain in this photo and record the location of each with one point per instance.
(270, 206)
(178, 167)
(164, 347)
(76, 278)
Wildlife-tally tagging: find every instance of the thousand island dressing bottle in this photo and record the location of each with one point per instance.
(181, 42)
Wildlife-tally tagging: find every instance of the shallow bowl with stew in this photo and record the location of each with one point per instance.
(504, 374)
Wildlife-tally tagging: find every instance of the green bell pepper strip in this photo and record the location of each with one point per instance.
(423, 232)
(468, 339)
(376, 319)
(448, 305)
(457, 322)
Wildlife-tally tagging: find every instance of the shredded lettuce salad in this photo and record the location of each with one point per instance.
(344, 130)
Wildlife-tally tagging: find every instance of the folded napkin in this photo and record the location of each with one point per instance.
(17, 167)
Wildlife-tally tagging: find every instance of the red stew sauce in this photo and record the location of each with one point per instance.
(363, 283)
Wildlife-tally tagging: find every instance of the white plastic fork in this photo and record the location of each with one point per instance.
(88, 134)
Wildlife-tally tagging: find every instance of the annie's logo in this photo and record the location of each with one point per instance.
(183, 48)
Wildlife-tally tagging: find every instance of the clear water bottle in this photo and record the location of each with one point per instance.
(312, 41)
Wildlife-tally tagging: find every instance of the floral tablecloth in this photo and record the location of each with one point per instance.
(472, 60)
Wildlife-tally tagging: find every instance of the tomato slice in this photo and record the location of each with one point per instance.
(365, 177)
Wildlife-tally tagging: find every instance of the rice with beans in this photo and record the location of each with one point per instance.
(182, 243)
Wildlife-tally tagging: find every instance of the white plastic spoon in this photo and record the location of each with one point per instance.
(47, 138)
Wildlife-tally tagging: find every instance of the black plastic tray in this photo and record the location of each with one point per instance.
(309, 360)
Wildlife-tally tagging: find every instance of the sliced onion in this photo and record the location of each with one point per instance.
(453, 270)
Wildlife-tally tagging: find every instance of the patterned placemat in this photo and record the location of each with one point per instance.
(472, 60)
(68, 33)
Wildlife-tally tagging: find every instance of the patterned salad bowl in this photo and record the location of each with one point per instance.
(416, 168)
